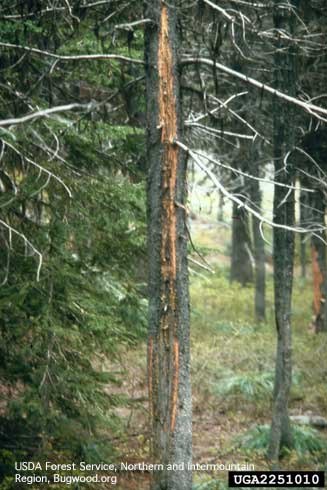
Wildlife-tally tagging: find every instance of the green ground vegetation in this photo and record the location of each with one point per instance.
(233, 365)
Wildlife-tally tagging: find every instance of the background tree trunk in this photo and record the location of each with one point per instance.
(302, 237)
(220, 214)
(259, 252)
(241, 264)
(168, 343)
(283, 240)
(318, 254)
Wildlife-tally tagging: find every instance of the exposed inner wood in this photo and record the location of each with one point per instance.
(317, 281)
(168, 124)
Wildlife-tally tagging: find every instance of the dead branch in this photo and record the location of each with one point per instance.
(312, 109)
(77, 57)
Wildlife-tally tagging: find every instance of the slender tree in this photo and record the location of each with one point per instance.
(283, 239)
(303, 222)
(168, 344)
(241, 266)
(258, 242)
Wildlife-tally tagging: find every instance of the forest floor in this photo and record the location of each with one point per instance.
(232, 373)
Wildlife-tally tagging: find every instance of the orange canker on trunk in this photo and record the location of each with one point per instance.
(317, 281)
(168, 124)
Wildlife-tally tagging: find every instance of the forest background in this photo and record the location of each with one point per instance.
(84, 150)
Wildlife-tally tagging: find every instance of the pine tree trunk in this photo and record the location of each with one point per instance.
(220, 214)
(168, 343)
(283, 240)
(318, 254)
(259, 254)
(241, 266)
(303, 224)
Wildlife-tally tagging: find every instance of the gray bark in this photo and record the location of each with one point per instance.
(260, 265)
(283, 240)
(220, 214)
(258, 244)
(302, 237)
(168, 343)
(241, 266)
(242, 253)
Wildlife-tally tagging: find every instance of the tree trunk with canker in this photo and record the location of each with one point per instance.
(318, 256)
(168, 341)
(314, 145)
